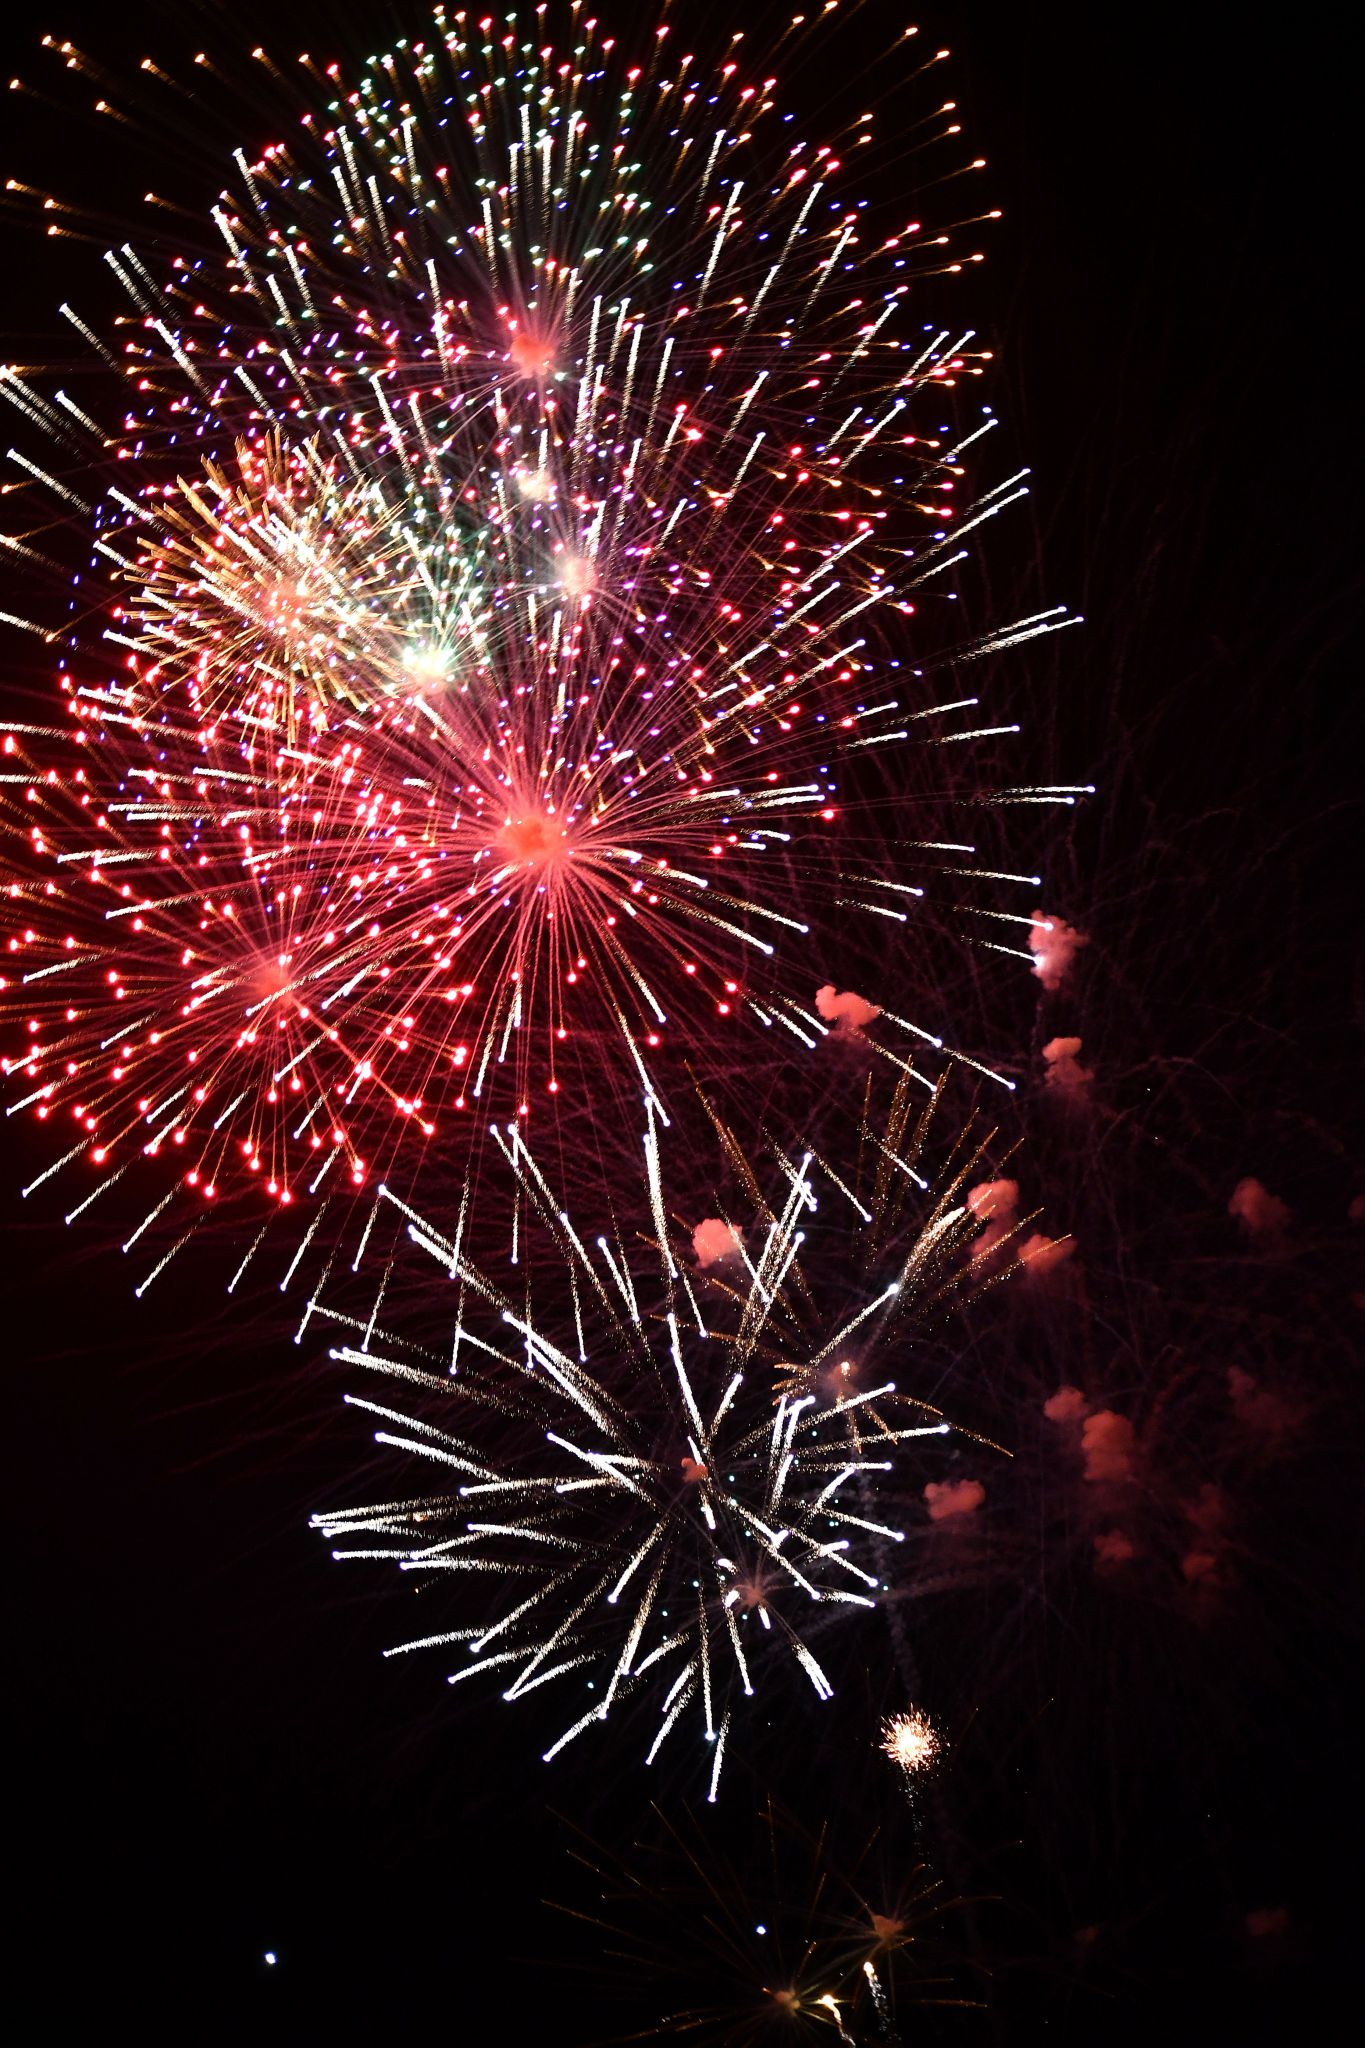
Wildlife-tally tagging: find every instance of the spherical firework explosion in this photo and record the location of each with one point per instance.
(912, 1741)
(520, 631)
(661, 1472)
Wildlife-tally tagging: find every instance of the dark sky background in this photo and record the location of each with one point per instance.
(207, 1759)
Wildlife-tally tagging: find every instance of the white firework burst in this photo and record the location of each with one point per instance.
(659, 1470)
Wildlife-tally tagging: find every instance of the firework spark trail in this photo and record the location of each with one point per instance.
(672, 1497)
(507, 553)
(725, 1934)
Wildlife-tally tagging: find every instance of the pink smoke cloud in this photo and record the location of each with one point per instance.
(996, 1204)
(1068, 1404)
(1267, 1923)
(1356, 1212)
(1065, 1075)
(1107, 1446)
(1261, 1214)
(1209, 1510)
(993, 1236)
(1054, 944)
(1207, 1513)
(714, 1241)
(1040, 1255)
(994, 1199)
(1113, 1548)
(953, 1497)
(1259, 1408)
(845, 1010)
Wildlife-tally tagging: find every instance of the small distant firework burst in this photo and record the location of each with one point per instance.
(912, 1741)
(655, 1477)
(518, 601)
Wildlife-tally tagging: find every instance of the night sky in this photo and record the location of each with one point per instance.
(207, 1760)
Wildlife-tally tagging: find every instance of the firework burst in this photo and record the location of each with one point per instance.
(528, 556)
(912, 1741)
(660, 1473)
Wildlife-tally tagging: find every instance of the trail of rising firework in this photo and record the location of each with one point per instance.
(500, 667)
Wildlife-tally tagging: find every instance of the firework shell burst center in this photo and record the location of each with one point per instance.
(519, 633)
